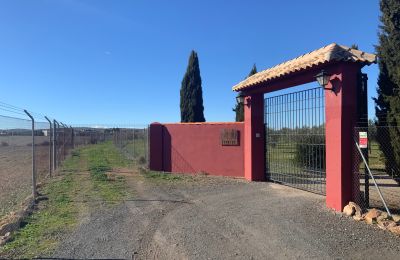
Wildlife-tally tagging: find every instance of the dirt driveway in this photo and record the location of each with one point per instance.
(221, 218)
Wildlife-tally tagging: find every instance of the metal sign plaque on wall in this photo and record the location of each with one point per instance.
(229, 137)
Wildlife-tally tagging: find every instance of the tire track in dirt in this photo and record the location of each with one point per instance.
(160, 203)
(127, 230)
(222, 218)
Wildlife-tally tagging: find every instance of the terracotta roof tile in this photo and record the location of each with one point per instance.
(330, 53)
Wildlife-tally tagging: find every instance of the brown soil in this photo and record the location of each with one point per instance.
(16, 173)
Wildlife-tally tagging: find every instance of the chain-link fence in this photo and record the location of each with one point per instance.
(33, 147)
(15, 162)
(132, 142)
(29, 154)
(42, 147)
(85, 135)
(63, 142)
(376, 146)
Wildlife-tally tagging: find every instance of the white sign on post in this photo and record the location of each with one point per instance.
(363, 139)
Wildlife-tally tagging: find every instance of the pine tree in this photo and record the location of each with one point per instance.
(191, 102)
(239, 109)
(387, 104)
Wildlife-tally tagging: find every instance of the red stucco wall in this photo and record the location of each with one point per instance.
(195, 148)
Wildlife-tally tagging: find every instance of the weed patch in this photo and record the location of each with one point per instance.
(163, 176)
(41, 229)
(102, 158)
(67, 196)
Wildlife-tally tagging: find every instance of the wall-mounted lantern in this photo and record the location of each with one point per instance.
(241, 98)
(323, 79)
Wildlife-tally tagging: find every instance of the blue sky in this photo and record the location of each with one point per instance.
(87, 62)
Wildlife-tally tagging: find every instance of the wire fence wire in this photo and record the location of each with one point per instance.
(42, 150)
(33, 147)
(133, 143)
(15, 162)
(63, 143)
(384, 169)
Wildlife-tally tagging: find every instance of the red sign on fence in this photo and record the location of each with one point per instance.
(363, 139)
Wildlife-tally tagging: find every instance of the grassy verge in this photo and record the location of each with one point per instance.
(162, 176)
(57, 215)
(102, 158)
(67, 199)
(136, 147)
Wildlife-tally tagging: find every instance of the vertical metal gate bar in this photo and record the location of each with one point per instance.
(306, 144)
(292, 138)
(289, 150)
(298, 172)
(268, 137)
(319, 149)
(322, 131)
(275, 162)
(319, 140)
(279, 126)
(314, 151)
(286, 114)
(302, 126)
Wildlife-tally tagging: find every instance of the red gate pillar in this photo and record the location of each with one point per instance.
(156, 147)
(254, 144)
(341, 116)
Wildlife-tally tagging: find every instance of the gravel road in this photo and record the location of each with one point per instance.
(220, 218)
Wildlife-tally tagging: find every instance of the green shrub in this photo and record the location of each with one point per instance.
(310, 151)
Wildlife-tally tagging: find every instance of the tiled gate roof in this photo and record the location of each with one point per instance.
(330, 53)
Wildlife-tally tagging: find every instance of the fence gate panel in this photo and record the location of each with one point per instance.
(295, 139)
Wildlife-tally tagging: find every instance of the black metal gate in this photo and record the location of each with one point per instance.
(295, 139)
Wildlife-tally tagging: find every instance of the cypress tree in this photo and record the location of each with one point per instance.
(239, 109)
(387, 103)
(354, 46)
(253, 70)
(191, 102)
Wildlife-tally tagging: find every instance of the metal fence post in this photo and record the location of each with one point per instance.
(373, 179)
(133, 143)
(148, 146)
(65, 140)
(364, 122)
(50, 144)
(366, 177)
(55, 135)
(63, 146)
(33, 156)
(72, 138)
